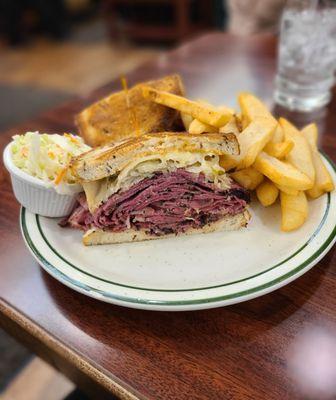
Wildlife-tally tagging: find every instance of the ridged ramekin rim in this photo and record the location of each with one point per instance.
(24, 176)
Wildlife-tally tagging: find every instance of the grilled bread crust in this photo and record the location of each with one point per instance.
(99, 236)
(123, 114)
(106, 161)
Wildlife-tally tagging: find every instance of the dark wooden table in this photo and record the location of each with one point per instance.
(236, 352)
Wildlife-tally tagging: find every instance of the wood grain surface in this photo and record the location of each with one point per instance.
(237, 352)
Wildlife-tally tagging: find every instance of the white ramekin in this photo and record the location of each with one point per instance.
(35, 195)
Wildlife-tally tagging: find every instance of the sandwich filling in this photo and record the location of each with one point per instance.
(98, 191)
(166, 202)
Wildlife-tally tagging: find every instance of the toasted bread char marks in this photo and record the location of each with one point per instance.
(112, 118)
(99, 236)
(107, 161)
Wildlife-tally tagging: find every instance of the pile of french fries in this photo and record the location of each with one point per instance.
(276, 159)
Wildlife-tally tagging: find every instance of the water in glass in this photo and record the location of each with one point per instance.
(307, 57)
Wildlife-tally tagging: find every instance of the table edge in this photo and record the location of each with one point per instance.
(113, 385)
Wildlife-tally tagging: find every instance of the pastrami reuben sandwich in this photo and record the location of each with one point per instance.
(157, 185)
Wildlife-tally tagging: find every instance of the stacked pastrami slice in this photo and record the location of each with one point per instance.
(162, 204)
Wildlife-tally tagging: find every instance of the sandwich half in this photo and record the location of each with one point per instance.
(125, 113)
(157, 185)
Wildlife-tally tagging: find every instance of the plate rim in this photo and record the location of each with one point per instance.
(100, 294)
(56, 253)
(179, 304)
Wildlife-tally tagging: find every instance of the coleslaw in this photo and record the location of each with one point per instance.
(47, 157)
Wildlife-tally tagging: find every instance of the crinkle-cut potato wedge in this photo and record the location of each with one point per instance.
(267, 193)
(288, 190)
(204, 113)
(323, 181)
(187, 119)
(300, 156)
(252, 107)
(253, 139)
(281, 173)
(198, 127)
(294, 211)
(249, 178)
(310, 132)
(230, 127)
(279, 150)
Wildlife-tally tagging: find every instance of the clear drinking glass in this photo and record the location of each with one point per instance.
(306, 55)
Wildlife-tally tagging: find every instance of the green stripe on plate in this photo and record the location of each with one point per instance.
(325, 215)
(133, 300)
(98, 293)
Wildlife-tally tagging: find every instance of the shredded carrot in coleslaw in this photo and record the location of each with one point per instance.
(60, 176)
(47, 157)
(72, 138)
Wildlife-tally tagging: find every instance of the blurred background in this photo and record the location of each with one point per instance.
(53, 50)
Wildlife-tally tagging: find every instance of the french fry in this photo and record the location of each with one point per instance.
(323, 181)
(230, 127)
(203, 102)
(300, 156)
(249, 178)
(225, 109)
(253, 139)
(281, 173)
(279, 150)
(294, 211)
(310, 132)
(207, 114)
(221, 108)
(198, 127)
(267, 193)
(238, 117)
(288, 190)
(187, 120)
(278, 135)
(195, 126)
(315, 192)
(228, 162)
(251, 108)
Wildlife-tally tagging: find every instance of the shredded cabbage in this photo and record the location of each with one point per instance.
(47, 157)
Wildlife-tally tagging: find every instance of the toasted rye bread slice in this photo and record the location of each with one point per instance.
(99, 236)
(106, 161)
(115, 117)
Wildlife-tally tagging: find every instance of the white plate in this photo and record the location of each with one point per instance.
(187, 273)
